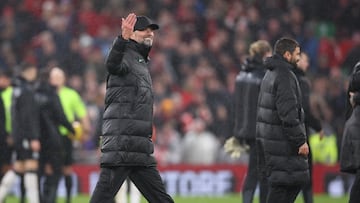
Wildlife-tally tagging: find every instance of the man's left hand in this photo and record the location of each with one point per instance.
(304, 149)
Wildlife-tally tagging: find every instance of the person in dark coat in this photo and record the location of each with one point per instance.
(5, 120)
(3, 137)
(75, 110)
(126, 145)
(310, 120)
(51, 154)
(25, 125)
(350, 146)
(354, 86)
(281, 136)
(247, 87)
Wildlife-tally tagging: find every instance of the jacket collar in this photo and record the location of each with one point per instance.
(298, 71)
(278, 61)
(142, 49)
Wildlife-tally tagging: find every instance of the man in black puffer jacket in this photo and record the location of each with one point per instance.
(354, 87)
(126, 143)
(281, 136)
(350, 146)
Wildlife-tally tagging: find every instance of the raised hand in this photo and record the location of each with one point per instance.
(127, 26)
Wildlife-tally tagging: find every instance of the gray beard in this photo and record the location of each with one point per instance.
(148, 42)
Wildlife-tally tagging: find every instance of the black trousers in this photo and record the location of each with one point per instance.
(253, 177)
(54, 158)
(283, 194)
(146, 179)
(355, 189)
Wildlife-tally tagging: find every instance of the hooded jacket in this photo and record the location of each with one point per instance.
(128, 115)
(350, 145)
(247, 87)
(280, 125)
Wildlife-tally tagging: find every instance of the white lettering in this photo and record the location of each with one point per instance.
(202, 183)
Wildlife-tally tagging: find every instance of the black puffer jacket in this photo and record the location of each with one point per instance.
(350, 146)
(354, 86)
(280, 125)
(128, 116)
(247, 89)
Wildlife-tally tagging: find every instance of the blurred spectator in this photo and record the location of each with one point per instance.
(71, 66)
(354, 54)
(199, 146)
(220, 107)
(167, 145)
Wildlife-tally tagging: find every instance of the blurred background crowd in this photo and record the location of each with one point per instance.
(197, 54)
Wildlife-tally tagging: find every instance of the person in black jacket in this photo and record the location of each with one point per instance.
(6, 146)
(354, 86)
(310, 120)
(52, 151)
(280, 129)
(350, 146)
(126, 145)
(3, 135)
(247, 86)
(5, 118)
(25, 133)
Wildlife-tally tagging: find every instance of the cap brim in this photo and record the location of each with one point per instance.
(144, 22)
(151, 26)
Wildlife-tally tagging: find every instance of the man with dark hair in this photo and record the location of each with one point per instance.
(247, 89)
(350, 146)
(126, 144)
(354, 87)
(281, 136)
(25, 132)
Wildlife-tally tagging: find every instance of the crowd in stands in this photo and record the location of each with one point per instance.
(197, 54)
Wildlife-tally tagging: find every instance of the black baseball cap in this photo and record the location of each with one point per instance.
(143, 22)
